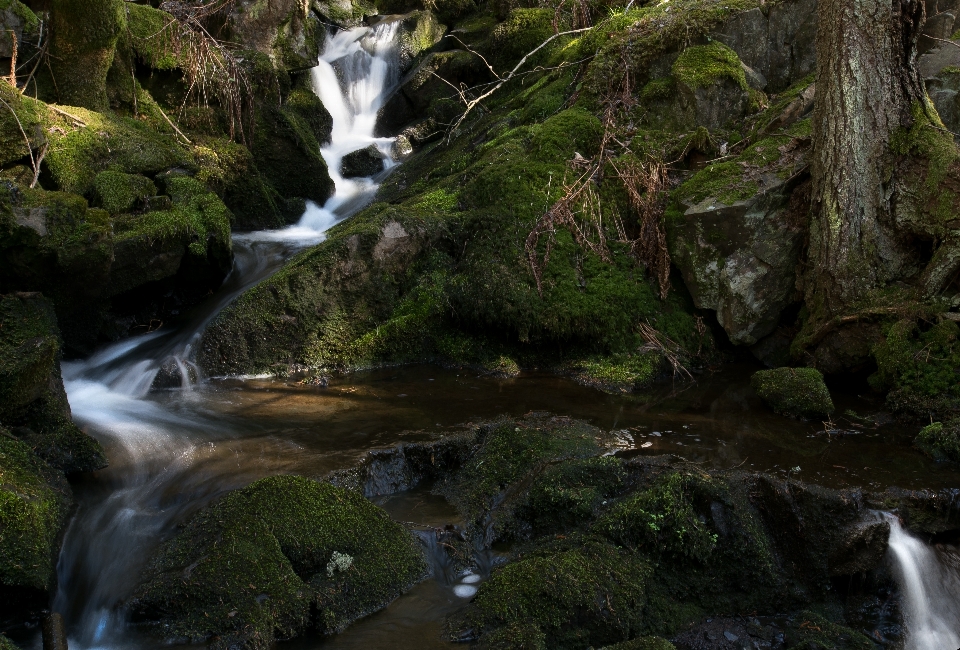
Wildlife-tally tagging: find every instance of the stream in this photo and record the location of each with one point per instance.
(173, 450)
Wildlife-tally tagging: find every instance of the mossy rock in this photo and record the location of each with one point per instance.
(32, 516)
(229, 170)
(33, 402)
(266, 562)
(117, 192)
(699, 66)
(940, 440)
(152, 33)
(562, 596)
(815, 632)
(798, 392)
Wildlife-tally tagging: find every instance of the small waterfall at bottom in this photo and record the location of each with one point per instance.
(929, 580)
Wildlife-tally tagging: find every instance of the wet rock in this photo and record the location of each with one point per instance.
(799, 392)
(284, 29)
(921, 511)
(255, 565)
(418, 32)
(171, 375)
(54, 632)
(364, 162)
(861, 548)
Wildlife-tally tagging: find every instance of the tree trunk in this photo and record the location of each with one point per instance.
(83, 38)
(867, 87)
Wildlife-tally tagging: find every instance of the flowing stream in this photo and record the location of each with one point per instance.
(174, 449)
(156, 446)
(929, 579)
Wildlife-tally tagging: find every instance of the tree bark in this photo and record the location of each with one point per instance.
(83, 40)
(867, 87)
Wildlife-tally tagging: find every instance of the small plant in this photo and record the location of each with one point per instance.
(338, 562)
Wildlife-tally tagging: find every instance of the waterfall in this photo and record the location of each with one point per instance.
(153, 443)
(930, 586)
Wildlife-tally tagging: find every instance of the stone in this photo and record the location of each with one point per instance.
(730, 636)
(754, 79)
(417, 32)
(287, 30)
(16, 17)
(741, 259)
(364, 162)
(861, 547)
(779, 43)
(798, 392)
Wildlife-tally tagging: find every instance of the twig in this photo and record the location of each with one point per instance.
(185, 138)
(66, 114)
(13, 60)
(473, 103)
(36, 168)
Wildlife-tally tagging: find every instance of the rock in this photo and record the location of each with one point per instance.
(15, 17)
(730, 636)
(940, 440)
(54, 632)
(754, 79)
(402, 147)
(363, 162)
(934, 61)
(799, 392)
(285, 29)
(740, 258)
(711, 86)
(117, 192)
(255, 565)
(860, 549)
(779, 43)
(170, 375)
(33, 402)
(417, 33)
(939, 26)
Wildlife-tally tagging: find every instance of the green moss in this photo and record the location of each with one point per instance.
(619, 373)
(659, 89)
(723, 181)
(29, 20)
(510, 451)
(77, 155)
(817, 633)
(197, 215)
(229, 170)
(31, 516)
(569, 494)
(794, 391)
(575, 594)
(661, 520)
(521, 32)
(940, 440)
(700, 66)
(153, 33)
(920, 362)
(117, 192)
(7, 644)
(254, 565)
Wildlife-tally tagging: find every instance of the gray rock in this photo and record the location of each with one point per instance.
(861, 548)
(365, 162)
(285, 29)
(16, 18)
(712, 106)
(418, 32)
(754, 79)
(779, 44)
(939, 26)
(741, 260)
(933, 62)
(730, 636)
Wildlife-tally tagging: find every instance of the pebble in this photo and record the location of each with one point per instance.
(730, 636)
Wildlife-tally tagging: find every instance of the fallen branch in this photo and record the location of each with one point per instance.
(66, 114)
(185, 138)
(36, 167)
(13, 60)
(510, 75)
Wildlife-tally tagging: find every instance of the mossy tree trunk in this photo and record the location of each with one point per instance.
(868, 86)
(83, 38)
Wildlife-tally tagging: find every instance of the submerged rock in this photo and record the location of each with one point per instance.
(270, 560)
(799, 392)
(364, 162)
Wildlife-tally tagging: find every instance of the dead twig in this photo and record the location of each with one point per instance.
(671, 351)
(66, 114)
(36, 167)
(13, 60)
(173, 126)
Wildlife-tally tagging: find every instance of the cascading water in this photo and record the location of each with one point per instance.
(151, 442)
(930, 585)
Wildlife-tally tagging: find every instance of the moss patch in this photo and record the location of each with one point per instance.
(32, 514)
(117, 192)
(257, 565)
(794, 391)
(700, 66)
(940, 440)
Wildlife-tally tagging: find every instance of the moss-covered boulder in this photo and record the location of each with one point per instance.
(940, 440)
(34, 504)
(798, 392)
(274, 558)
(33, 403)
(117, 192)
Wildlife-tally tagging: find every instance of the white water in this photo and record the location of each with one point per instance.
(930, 587)
(153, 444)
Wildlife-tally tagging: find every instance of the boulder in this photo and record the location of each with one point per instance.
(270, 560)
(799, 392)
(417, 32)
(711, 83)
(779, 43)
(286, 30)
(739, 256)
(363, 162)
